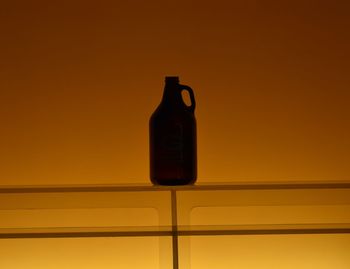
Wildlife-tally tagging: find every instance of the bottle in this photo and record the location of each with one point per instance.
(173, 143)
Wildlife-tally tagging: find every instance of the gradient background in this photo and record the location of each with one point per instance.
(80, 79)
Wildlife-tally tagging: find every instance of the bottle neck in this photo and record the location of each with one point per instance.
(172, 94)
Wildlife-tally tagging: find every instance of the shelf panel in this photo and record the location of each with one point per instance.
(199, 187)
(76, 232)
(146, 210)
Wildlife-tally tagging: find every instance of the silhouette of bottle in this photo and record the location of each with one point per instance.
(173, 143)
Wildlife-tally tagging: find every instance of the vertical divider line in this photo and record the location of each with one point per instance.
(175, 241)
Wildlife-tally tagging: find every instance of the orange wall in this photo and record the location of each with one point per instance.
(79, 80)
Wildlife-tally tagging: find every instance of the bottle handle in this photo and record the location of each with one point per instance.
(193, 101)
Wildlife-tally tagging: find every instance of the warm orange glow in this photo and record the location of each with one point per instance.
(90, 253)
(79, 81)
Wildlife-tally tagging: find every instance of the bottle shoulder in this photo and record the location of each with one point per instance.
(164, 117)
(172, 111)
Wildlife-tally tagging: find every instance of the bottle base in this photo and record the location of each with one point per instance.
(173, 182)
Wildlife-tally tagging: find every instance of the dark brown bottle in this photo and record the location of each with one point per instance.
(173, 143)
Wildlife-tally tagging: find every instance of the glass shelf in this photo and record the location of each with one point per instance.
(146, 210)
(147, 187)
(179, 214)
(199, 230)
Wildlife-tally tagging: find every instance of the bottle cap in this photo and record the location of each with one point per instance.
(171, 79)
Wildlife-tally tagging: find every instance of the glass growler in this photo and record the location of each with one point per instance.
(173, 142)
